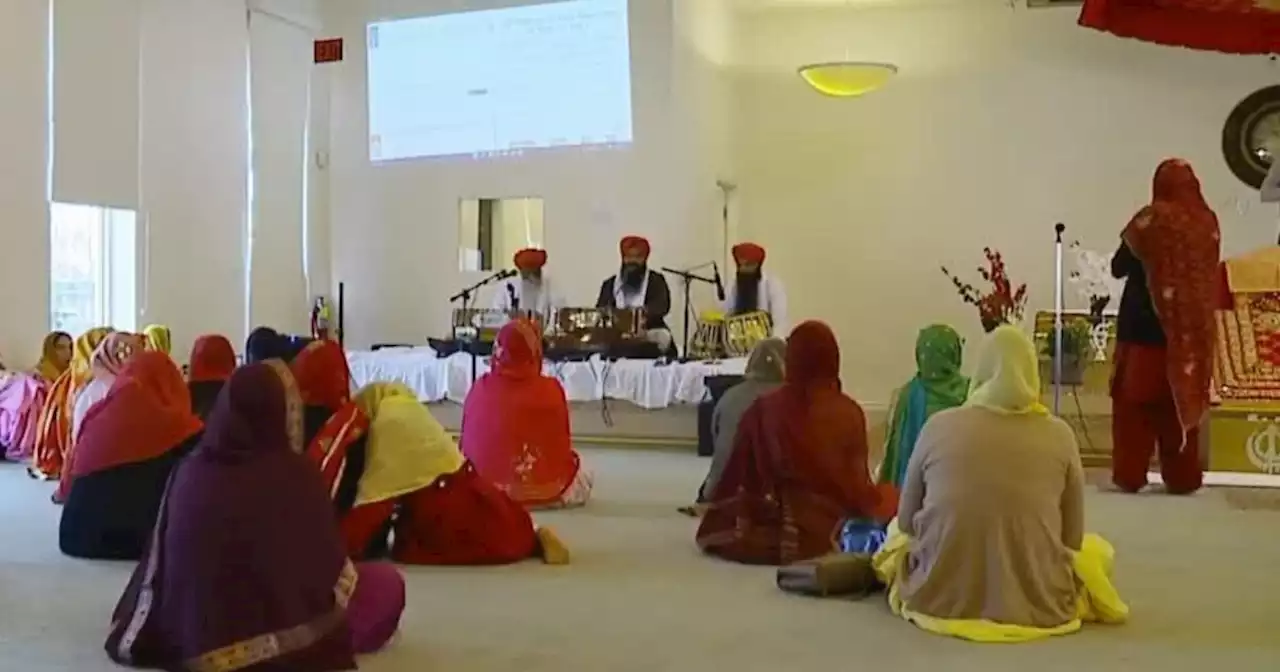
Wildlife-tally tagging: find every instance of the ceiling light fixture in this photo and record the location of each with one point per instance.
(847, 79)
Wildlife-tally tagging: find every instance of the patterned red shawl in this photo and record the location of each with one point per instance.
(1176, 238)
(1231, 26)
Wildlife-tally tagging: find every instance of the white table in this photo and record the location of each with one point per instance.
(642, 382)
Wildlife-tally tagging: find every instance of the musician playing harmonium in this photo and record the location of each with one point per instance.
(531, 292)
(754, 291)
(635, 286)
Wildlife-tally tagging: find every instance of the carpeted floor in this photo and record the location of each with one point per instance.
(1199, 574)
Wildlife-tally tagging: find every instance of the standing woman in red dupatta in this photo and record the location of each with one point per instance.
(53, 435)
(335, 429)
(247, 499)
(515, 426)
(799, 465)
(129, 445)
(1170, 253)
(213, 360)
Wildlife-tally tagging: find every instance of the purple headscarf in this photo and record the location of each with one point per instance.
(246, 565)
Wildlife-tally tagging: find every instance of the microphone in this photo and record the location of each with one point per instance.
(507, 273)
(719, 285)
(1058, 229)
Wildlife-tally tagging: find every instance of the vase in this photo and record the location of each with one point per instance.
(1073, 368)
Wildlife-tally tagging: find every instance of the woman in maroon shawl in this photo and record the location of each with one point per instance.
(245, 569)
(1169, 253)
(799, 465)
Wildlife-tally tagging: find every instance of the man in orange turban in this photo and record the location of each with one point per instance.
(635, 286)
(531, 291)
(753, 291)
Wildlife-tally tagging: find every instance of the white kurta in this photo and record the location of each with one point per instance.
(92, 393)
(538, 297)
(772, 300)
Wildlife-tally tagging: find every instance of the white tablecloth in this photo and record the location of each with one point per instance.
(642, 382)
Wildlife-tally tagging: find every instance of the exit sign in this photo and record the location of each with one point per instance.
(329, 51)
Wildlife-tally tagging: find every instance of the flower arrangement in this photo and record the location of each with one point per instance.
(1003, 303)
(1093, 281)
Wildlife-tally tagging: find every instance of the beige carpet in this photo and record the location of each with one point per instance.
(1200, 576)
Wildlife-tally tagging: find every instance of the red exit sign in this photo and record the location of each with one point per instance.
(329, 51)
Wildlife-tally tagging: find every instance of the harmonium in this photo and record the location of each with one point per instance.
(596, 329)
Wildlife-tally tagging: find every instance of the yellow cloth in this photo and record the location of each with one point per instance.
(1258, 271)
(158, 338)
(407, 449)
(1007, 379)
(82, 352)
(1099, 602)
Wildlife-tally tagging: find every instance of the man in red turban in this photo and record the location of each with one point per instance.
(531, 291)
(753, 291)
(635, 286)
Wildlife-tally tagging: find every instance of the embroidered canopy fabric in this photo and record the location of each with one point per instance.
(1231, 26)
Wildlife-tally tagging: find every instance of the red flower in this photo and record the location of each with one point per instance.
(1002, 303)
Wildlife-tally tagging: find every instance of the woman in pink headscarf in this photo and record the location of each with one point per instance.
(515, 426)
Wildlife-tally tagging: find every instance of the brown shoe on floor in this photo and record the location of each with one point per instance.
(554, 552)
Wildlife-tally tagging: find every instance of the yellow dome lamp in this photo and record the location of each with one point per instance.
(847, 79)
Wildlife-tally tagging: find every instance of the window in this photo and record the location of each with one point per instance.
(93, 268)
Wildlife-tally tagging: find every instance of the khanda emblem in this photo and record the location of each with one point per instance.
(1263, 449)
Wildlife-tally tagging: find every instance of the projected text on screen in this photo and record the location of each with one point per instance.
(500, 81)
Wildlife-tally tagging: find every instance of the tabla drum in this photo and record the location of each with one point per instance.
(481, 324)
(743, 332)
(708, 337)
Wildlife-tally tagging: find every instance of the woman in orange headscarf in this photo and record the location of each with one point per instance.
(1169, 253)
(213, 360)
(799, 465)
(130, 442)
(53, 435)
(334, 428)
(515, 426)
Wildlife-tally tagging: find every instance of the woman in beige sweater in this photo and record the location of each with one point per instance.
(993, 501)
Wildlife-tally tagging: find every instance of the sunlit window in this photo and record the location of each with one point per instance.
(93, 268)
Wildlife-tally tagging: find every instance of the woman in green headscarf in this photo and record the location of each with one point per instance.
(937, 386)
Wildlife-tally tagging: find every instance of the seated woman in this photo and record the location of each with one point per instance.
(213, 360)
(442, 512)
(798, 468)
(117, 474)
(53, 433)
(108, 359)
(937, 386)
(264, 343)
(764, 374)
(515, 426)
(245, 569)
(55, 356)
(158, 338)
(334, 428)
(991, 521)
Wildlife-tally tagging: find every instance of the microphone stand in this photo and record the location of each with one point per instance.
(465, 296)
(1057, 316)
(688, 279)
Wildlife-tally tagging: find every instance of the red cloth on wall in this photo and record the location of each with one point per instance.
(1231, 26)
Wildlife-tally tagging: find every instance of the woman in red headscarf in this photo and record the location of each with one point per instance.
(1169, 252)
(335, 427)
(515, 426)
(130, 442)
(213, 360)
(799, 465)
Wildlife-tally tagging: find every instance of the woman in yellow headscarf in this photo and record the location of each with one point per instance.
(158, 338)
(53, 435)
(996, 551)
(448, 514)
(55, 356)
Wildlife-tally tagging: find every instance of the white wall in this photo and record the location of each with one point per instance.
(394, 226)
(24, 213)
(1000, 124)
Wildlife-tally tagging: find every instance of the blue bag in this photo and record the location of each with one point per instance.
(859, 535)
